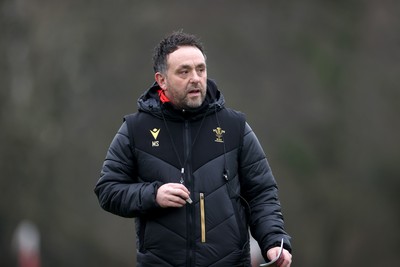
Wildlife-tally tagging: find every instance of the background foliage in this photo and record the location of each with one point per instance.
(318, 80)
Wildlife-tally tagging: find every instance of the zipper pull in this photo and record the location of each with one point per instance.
(225, 174)
(182, 172)
(189, 200)
(202, 219)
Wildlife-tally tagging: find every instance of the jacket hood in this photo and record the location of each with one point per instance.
(149, 102)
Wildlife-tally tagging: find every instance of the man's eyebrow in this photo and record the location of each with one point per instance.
(189, 66)
(184, 66)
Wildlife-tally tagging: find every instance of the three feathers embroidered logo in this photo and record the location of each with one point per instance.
(219, 133)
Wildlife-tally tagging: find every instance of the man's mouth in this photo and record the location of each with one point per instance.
(194, 92)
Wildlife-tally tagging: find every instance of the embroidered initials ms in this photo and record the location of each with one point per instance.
(155, 133)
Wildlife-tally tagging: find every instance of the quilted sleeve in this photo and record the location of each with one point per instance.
(118, 189)
(260, 190)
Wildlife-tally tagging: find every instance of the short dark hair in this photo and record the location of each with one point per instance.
(170, 44)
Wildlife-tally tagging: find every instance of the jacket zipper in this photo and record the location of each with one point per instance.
(189, 185)
(202, 219)
(186, 178)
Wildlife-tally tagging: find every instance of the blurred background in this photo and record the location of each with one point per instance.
(318, 80)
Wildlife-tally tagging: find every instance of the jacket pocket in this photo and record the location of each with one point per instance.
(202, 219)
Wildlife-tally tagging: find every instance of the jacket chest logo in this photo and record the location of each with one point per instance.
(219, 135)
(155, 133)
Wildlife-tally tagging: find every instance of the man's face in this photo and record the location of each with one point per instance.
(185, 82)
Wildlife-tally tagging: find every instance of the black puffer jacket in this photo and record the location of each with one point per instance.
(225, 170)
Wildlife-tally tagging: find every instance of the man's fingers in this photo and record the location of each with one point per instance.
(178, 192)
(175, 201)
(179, 186)
(285, 259)
(172, 195)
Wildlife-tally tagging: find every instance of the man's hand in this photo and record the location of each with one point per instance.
(172, 195)
(284, 260)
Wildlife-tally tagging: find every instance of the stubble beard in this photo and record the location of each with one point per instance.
(192, 103)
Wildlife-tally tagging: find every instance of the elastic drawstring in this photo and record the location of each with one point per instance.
(225, 174)
(174, 146)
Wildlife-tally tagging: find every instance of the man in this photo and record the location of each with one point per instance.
(191, 171)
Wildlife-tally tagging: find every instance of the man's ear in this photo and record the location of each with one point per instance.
(160, 79)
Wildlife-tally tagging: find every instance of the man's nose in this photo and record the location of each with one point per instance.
(195, 78)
